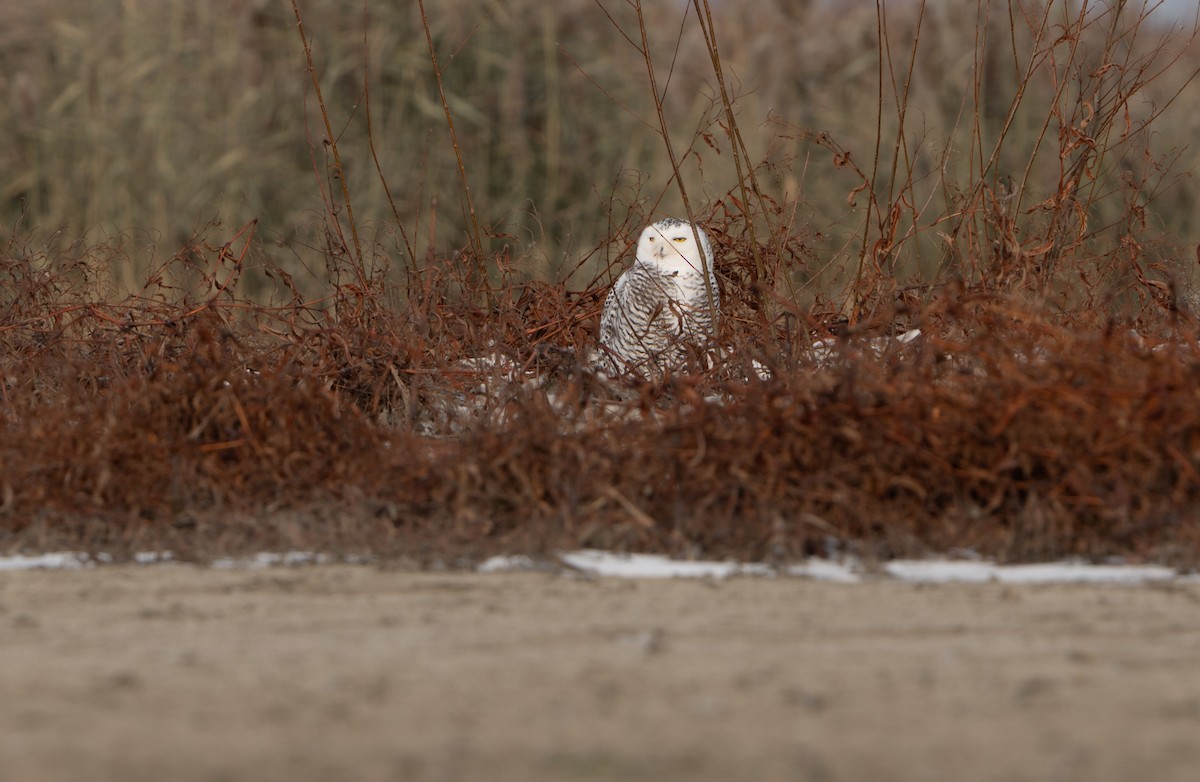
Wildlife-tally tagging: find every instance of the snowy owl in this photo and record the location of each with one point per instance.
(661, 304)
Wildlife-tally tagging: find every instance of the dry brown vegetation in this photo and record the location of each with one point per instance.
(398, 398)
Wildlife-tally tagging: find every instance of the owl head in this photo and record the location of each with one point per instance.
(670, 245)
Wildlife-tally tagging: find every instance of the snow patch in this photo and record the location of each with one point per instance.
(61, 560)
(651, 566)
(267, 559)
(604, 563)
(944, 572)
(825, 570)
(505, 564)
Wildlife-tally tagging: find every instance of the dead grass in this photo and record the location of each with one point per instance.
(208, 424)
(442, 406)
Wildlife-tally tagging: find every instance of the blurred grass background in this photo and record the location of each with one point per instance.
(142, 123)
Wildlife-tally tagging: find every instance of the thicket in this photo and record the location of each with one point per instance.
(396, 226)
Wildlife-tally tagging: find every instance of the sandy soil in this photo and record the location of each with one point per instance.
(339, 672)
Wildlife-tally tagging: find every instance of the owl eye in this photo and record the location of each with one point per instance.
(681, 238)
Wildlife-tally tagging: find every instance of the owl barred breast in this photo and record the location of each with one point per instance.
(660, 305)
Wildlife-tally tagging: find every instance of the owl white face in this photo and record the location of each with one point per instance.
(671, 246)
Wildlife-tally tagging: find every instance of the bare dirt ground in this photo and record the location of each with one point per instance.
(341, 672)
